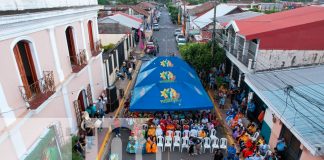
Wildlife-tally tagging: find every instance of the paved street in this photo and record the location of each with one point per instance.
(165, 37)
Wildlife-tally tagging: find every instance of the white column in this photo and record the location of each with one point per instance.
(56, 55)
(231, 73)
(95, 25)
(103, 72)
(84, 40)
(8, 115)
(125, 49)
(72, 122)
(239, 79)
(18, 142)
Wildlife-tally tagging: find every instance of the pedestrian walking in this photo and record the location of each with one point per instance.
(191, 146)
(218, 155)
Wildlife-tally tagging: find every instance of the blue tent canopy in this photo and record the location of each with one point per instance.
(170, 96)
(166, 75)
(165, 62)
(168, 83)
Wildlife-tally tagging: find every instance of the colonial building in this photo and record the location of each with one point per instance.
(275, 41)
(51, 67)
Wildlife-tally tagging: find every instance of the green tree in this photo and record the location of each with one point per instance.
(103, 2)
(200, 57)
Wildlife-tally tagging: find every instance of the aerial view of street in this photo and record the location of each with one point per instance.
(162, 79)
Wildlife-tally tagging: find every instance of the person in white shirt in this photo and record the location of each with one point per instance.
(193, 132)
(158, 131)
(204, 120)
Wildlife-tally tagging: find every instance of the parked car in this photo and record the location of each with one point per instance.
(177, 32)
(181, 40)
(156, 27)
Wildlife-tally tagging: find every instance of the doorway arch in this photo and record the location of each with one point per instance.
(82, 99)
(71, 45)
(26, 67)
(90, 33)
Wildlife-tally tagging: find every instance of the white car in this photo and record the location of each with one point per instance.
(181, 40)
(177, 32)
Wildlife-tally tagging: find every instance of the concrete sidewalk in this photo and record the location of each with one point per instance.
(104, 137)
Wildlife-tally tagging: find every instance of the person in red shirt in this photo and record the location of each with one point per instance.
(247, 152)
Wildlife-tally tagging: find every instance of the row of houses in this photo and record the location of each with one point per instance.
(278, 58)
(53, 67)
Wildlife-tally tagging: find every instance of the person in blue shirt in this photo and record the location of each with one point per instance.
(231, 151)
(281, 147)
(250, 109)
(251, 106)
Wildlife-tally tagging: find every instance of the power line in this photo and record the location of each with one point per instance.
(289, 104)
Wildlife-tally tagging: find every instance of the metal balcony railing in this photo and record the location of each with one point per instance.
(38, 92)
(96, 49)
(244, 59)
(79, 61)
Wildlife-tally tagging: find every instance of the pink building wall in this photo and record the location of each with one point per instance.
(11, 80)
(7, 149)
(275, 133)
(31, 124)
(63, 50)
(306, 155)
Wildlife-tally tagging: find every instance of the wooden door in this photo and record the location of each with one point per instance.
(34, 86)
(22, 71)
(71, 45)
(77, 112)
(30, 86)
(81, 101)
(92, 48)
(89, 94)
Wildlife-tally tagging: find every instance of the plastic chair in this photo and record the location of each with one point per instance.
(176, 142)
(215, 144)
(185, 143)
(223, 143)
(160, 141)
(207, 144)
(168, 142)
(169, 133)
(177, 134)
(194, 133)
(255, 136)
(212, 133)
(185, 133)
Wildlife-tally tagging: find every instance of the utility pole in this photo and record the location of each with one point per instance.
(214, 31)
(184, 19)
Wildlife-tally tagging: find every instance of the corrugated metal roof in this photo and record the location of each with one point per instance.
(123, 19)
(205, 19)
(300, 109)
(237, 16)
(256, 26)
(113, 28)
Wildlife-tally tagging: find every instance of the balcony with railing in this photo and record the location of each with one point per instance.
(96, 49)
(245, 58)
(37, 93)
(79, 61)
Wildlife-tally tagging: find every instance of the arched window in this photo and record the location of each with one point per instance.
(90, 33)
(71, 46)
(26, 67)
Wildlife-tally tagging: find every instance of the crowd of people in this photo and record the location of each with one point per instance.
(198, 123)
(240, 109)
(127, 69)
